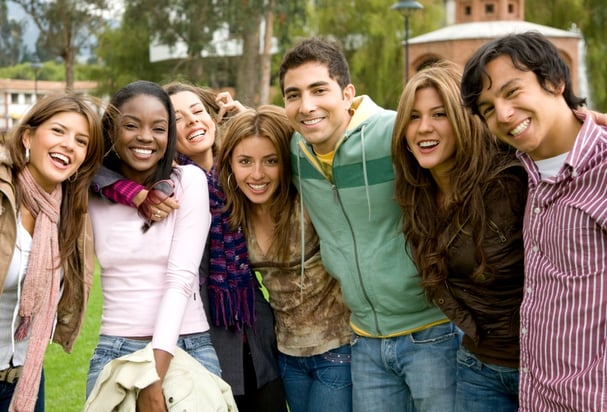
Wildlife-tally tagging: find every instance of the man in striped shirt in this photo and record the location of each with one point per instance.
(521, 87)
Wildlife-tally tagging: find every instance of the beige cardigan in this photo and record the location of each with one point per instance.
(187, 386)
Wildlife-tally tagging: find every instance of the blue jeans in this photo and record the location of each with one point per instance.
(318, 383)
(111, 347)
(414, 372)
(6, 395)
(483, 387)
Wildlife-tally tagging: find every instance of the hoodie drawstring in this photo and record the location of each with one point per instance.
(364, 159)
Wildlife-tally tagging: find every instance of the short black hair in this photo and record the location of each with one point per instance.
(316, 50)
(529, 51)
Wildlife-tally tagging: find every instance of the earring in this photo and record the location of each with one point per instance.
(27, 155)
(73, 177)
(351, 111)
(229, 180)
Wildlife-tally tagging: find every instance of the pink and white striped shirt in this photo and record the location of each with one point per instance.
(563, 363)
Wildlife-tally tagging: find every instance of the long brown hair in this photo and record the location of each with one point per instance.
(270, 122)
(429, 226)
(74, 202)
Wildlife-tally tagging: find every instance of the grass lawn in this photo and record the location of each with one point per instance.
(65, 375)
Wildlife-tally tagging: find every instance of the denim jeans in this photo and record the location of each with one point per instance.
(414, 372)
(111, 347)
(483, 387)
(318, 383)
(6, 395)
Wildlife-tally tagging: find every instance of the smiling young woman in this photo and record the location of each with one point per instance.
(46, 248)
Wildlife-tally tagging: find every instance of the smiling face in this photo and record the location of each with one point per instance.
(195, 127)
(316, 106)
(519, 111)
(142, 136)
(57, 148)
(256, 168)
(429, 133)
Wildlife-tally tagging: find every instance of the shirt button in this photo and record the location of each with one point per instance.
(525, 370)
(536, 210)
(529, 290)
(535, 249)
(523, 331)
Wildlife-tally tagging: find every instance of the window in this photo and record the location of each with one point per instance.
(489, 8)
(468, 10)
(15, 98)
(511, 8)
(29, 98)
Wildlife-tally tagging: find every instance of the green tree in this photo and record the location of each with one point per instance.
(12, 47)
(589, 17)
(595, 33)
(65, 27)
(123, 54)
(371, 35)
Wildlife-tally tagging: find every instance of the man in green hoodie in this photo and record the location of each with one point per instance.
(403, 348)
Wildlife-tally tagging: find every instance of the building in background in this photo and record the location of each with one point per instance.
(471, 23)
(17, 96)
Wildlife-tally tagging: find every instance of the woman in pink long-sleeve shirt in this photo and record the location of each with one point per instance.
(149, 268)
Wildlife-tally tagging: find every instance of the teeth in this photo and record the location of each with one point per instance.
(145, 152)
(311, 122)
(60, 157)
(428, 143)
(258, 187)
(520, 128)
(197, 134)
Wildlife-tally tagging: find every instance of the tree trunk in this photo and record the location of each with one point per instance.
(248, 71)
(266, 58)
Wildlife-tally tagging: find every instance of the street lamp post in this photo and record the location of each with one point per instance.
(406, 8)
(36, 66)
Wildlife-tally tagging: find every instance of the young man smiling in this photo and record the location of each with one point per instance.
(521, 87)
(403, 349)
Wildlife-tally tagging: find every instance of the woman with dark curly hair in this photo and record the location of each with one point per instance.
(463, 196)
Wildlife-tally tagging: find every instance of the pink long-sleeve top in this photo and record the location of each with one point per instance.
(150, 280)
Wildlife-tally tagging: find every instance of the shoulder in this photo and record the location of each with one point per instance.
(5, 158)
(6, 163)
(189, 174)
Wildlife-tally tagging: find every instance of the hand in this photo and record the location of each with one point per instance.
(158, 202)
(227, 105)
(151, 399)
(599, 118)
(162, 210)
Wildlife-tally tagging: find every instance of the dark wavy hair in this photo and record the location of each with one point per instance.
(529, 51)
(74, 202)
(430, 225)
(111, 129)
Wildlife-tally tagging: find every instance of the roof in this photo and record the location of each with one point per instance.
(489, 30)
(44, 86)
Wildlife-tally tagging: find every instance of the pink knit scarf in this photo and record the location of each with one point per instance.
(40, 294)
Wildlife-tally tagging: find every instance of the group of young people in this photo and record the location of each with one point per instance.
(328, 255)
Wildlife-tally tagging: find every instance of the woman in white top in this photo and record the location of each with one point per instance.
(149, 266)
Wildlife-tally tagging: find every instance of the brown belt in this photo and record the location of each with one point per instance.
(10, 375)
